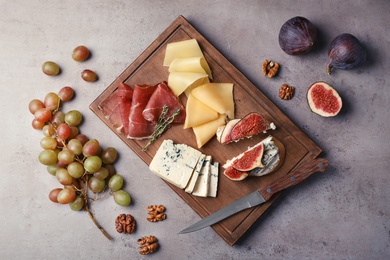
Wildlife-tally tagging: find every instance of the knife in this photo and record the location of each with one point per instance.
(262, 194)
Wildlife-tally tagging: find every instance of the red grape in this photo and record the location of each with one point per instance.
(54, 194)
(34, 105)
(66, 196)
(88, 75)
(51, 101)
(66, 93)
(80, 53)
(42, 115)
(63, 131)
(37, 125)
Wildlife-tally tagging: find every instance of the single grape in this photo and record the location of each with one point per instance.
(48, 143)
(34, 105)
(53, 194)
(47, 157)
(92, 147)
(66, 156)
(109, 155)
(52, 169)
(64, 177)
(63, 131)
(101, 174)
(42, 115)
(73, 118)
(50, 68)
(80, 53)
(66, 93)
(92, 164)
(48, 130)
(75, 146)
(77, 204)
(37, 125)
(51, 101)
(82, 138)
(74, 131)
(76, 169)
(58, 118)
(122, 198)
(111, 170)
(88, 75)
(66, 196)
(116, 182)
(96, 185)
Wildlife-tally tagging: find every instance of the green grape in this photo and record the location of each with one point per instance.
(64, 177)
(34, 105)
(66, 157)
(92, 147)
(53, 194)
(88, 75)
(48, 130)
(51, 101)
(109, 155)
(66, 93)
(101, 174)
(75, 169)
(80, 53)
(92, 164)
(75, 146)
(116, 182)
(73, 118)
(50, 68)
(77, 204)
(47, 157)
(48, 143)
(96, 185)
(122, 198)
(66, 196)
(52, 169)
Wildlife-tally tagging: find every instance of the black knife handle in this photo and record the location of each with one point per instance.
(294, 177)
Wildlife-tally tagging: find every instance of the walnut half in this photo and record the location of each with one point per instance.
(270, 68)
(286, 92)
(125, 223)
(148, 244)
(156, 213)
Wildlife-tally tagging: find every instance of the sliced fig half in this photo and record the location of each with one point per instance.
(324, 99)
(250, 159)
(250, 125)
(234, 174)
(223, 132)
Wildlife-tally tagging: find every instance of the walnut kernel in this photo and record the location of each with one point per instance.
(148, 244)
(270, 68)
(286, 92)
(125, 223)
(156, 213)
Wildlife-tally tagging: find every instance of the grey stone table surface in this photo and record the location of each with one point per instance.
(341, 214)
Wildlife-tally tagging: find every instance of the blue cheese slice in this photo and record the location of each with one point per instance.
(175, 163)
(270, 158)
(191, 184)
(202, 183)
(213, 185)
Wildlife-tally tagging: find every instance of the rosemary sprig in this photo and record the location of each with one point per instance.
(162, 125)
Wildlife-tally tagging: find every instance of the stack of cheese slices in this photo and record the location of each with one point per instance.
(208, 104)
(186, 168)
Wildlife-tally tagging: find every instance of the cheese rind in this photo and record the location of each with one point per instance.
(175, 163)
(202, 183)
(214, 175)
(191, 184)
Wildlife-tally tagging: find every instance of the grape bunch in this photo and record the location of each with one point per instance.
(83, 168)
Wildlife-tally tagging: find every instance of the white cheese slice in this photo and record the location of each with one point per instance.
(195, 174)
(202, 183)
(175, 163)
(214, 175)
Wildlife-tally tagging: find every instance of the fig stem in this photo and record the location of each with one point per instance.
(328, 69)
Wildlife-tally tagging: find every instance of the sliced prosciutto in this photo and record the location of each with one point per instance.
(111, 111)
(139, 127)
(163, 96)
(125, 96)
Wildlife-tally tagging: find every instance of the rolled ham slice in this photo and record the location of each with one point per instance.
(140, 128)
(111, 111)
(163, 96)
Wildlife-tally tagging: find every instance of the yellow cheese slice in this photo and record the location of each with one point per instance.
(198, 83)
(198, 113)
(206, 131)
(218, 96)
(180, 81)
(181, 49)
(190, 64)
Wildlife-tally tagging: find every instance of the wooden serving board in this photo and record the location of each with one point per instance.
(148, 69)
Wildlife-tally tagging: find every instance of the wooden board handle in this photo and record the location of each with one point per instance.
(294, 177)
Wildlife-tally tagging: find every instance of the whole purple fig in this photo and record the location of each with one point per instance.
(345, 53)
(297, 36)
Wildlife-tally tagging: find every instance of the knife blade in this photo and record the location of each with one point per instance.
(262, 194)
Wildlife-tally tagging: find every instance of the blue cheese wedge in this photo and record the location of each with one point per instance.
(213, 185)
(175, 163)
(191, 184)
(270, 158)
(202, 183)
